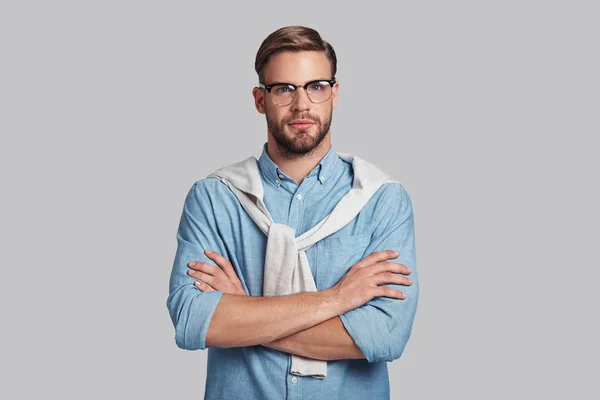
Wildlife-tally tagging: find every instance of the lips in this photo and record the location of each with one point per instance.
(301, 123)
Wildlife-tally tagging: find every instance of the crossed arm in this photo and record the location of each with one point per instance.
(327, 340)
(306, 324)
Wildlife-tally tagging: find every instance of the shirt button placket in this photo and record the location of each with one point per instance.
(294, 388)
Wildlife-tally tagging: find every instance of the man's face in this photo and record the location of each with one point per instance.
(297, 68)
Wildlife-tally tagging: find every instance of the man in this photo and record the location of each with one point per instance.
(360, 312)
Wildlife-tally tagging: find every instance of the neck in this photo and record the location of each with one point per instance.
(297, 166)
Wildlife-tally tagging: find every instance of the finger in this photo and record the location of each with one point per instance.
(222, 262)
(390, 277)
(227, 268)
(389, 266)
(204, 267)
(376, 257)
(205, 287)
(210, 279)
(386, 291)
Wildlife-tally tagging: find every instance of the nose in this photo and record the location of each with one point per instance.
(301, 101)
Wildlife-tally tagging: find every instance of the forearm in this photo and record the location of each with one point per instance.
(253, 320)
(328, 340)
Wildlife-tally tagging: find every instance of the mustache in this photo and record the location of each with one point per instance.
(316, 120)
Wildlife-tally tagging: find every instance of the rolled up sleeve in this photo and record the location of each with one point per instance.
(382, 327)
(191, 310)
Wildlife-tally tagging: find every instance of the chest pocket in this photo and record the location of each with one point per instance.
(336, 254)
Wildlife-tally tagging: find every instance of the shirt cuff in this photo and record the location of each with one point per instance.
(191, 331)
(369, 332)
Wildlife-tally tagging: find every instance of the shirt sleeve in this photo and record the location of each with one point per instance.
(190, 308)
(381, 327)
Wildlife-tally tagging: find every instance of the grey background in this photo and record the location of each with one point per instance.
(486, 111)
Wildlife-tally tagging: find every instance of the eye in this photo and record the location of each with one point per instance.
(283, 89)
(315, 87)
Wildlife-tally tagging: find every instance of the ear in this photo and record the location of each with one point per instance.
(334, 93)
(259, 99)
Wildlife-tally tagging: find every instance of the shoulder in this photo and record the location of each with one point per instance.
(210, 192)
(394, 191)
(392, 195)
(390, 206)
(210, 184)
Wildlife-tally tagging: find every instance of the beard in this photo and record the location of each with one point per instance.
(299, 141)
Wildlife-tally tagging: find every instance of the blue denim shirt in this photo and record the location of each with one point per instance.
(213, 219)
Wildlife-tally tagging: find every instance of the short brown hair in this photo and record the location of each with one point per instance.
(293, 39)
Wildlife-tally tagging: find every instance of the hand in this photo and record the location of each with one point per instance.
(361, 282)
(222, 278)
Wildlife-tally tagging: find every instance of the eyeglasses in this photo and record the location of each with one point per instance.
(283, 94)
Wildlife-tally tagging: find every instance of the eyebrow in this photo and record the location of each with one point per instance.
(289, 83)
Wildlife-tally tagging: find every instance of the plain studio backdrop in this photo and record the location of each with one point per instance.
(487, 112)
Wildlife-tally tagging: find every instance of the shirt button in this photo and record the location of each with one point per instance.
(277, 181)
(294, 380)
(299, 196)
(322, 178)
(281, 176)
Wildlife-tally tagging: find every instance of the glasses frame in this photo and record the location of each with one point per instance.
(305, 86)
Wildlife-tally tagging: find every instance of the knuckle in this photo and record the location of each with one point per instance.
(378, 267)
(209, 268)
(385, 254)
(356, 274)
(200, 266)
(399, 269)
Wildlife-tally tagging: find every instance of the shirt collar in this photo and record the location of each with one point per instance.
(325, 170)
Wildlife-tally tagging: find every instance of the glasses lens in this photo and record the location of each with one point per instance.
(319, 91)
(282, 94)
